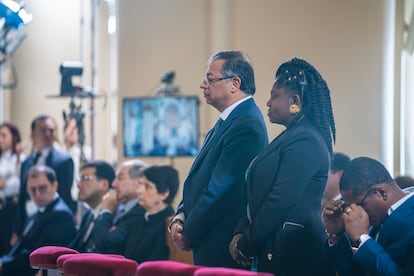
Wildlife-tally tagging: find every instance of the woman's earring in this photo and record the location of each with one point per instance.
(294, 109)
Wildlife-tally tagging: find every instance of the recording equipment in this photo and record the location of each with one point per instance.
(69, 69)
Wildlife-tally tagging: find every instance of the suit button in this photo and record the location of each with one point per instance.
(269, 256)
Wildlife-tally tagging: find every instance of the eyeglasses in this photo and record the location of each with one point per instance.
(41, 189)
(362, 201)
(210, 81)
(85, 177)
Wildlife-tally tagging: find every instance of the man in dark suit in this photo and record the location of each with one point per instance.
(52, 224)
(212, 197)
(370, 232)
(94, 182)
(43, 130)
(120, 210)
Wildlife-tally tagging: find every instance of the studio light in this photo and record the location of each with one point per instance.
(13, 16)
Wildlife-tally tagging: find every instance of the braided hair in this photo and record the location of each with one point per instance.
(302, 78)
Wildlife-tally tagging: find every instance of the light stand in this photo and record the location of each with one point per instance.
(76, 114)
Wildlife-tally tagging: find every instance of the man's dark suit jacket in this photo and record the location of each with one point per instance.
(392, 254)
(83, 240)
(212, 196)
(62, 164)
(111, 237)
(147, 241)
(54, 226)
(285, 185)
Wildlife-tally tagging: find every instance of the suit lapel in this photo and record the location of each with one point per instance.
(50, 157)
(86, 221)
(272, 146)
(207, 146)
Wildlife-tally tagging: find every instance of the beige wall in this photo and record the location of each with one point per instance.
(344, 40)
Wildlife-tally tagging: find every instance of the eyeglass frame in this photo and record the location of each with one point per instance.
(87, 177)
(41, 189)
(362, 201)
(207, 81)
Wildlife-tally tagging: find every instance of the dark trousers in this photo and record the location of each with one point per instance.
(7, 216)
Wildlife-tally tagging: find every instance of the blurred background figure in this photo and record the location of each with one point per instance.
(157, 188)
(338, 163)
(120, 210)
(80, 154)
(51, 224)
(405, 182)
(43, 135)
(10, 161)
(95, 180)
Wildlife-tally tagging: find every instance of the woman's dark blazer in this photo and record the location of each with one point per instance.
(285, 185)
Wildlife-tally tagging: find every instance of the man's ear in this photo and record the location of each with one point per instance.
(382, 192)
(236, 83)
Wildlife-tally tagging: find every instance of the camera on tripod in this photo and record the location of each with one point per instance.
(68, 70)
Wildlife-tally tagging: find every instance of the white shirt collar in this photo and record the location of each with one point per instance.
(226, 112)
(399, 203)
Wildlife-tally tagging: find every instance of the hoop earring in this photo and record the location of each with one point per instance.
(294, 109)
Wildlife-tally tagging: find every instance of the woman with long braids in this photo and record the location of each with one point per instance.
(283, 231)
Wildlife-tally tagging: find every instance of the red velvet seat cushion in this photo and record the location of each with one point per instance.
(46, 256)
(99, 264)
(61, 260)
(165, 268)
(220, 271)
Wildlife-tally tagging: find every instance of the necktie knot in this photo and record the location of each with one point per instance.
(36, 157)
(218, 124)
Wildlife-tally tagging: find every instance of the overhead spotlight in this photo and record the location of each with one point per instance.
(13, 16)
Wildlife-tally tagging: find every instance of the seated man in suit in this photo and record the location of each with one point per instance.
(52, 224)
(43, 130)
(94, 182)
(370, 231)
(120, 210)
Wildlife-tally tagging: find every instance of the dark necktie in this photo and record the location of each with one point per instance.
(213, 131)
(36, 157)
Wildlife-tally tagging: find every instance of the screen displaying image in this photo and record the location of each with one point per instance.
(160, 126)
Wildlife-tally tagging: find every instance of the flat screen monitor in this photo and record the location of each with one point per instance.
(165, 126)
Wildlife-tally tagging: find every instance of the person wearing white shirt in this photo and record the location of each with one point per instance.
(10, 160)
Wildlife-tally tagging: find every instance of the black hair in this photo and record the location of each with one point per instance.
(15, 134)
(362, 173)
(165, 179)
(237, 63)
(38, 118)
(339, 161)
(302, 78)
(103, 170)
